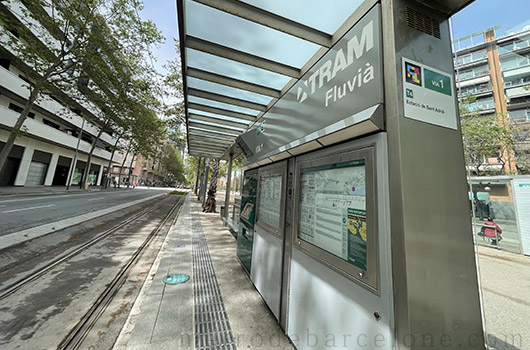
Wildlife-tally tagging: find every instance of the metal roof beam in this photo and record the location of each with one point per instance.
(269, 19)
(208, 148)
(210, 141)
(200, 123)
(206, 155)
(241, 56)
(232, 82)
(210, 135)
(221, 111)
(226, 99)
(214, 128)
(205, 118)
(207, 139)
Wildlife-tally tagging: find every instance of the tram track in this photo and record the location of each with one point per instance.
(21, 282)
(76, 336)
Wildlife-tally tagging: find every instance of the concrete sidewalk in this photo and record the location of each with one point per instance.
(218, 305)
(505, 282)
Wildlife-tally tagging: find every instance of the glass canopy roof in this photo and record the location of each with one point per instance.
(239, 57)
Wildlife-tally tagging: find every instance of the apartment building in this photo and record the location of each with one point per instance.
(53, 134)
(496, 71)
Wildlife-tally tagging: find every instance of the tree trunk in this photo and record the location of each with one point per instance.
(109, 166)
(209, 206)
(89, 159)
(18, 125)
(123, 164)
(130, 171)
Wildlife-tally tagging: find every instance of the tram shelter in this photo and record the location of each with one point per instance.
(347, 116)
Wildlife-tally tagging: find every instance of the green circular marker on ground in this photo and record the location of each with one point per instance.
(176, 278)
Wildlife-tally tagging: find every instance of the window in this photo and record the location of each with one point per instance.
(4, 62)
(15, 108)
(521, 114)
(50, 123)
(19, 109)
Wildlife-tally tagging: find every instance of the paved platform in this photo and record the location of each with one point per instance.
(218, 308)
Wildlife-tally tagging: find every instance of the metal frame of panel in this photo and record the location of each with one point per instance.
(279, 169)
(368, 278)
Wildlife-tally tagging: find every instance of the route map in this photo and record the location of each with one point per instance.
(333, 210)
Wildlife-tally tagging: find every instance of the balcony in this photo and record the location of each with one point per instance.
(5, 37)
(16, 85)
(40, 131)
(476, 91)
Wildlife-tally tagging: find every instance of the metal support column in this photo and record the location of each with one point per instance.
(228, 183)
(430, 261)
(196, 182)
(204, 182)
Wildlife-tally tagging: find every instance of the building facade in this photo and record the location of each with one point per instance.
(496, 72)
(53, 135)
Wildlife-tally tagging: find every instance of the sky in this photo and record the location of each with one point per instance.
(512, 15)
(164, 14)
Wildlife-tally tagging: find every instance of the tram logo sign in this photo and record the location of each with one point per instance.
(347, 53)
(347, 80)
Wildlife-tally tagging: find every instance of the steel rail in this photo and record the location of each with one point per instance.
(43, 270)
(84, 326)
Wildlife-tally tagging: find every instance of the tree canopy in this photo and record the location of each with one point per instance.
(90, 54)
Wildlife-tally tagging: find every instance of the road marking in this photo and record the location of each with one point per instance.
(94, 199)
(30, 208)
(3, 205)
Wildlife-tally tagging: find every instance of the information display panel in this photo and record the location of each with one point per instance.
(270, 196)
(333, 209)
(336, 214)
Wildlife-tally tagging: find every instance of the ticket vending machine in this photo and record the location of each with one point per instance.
(247, 215)
(348, 249)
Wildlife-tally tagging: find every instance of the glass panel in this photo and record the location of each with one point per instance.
(236, 70)
(505, 47)
(220, 133)
(270, 197)
(313, 13)
(222, 105)
(222, 117)
(333, 210)
(517, 115)
(237, 130)
(228, 91)
(219, 27)
(509, 64)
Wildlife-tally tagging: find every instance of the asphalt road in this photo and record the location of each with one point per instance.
(23, 212)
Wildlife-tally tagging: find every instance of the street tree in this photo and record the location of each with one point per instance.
(210, 204)
(145, 136)
(483, 137)
(172, 164)
(521, 146)
(58, 44)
